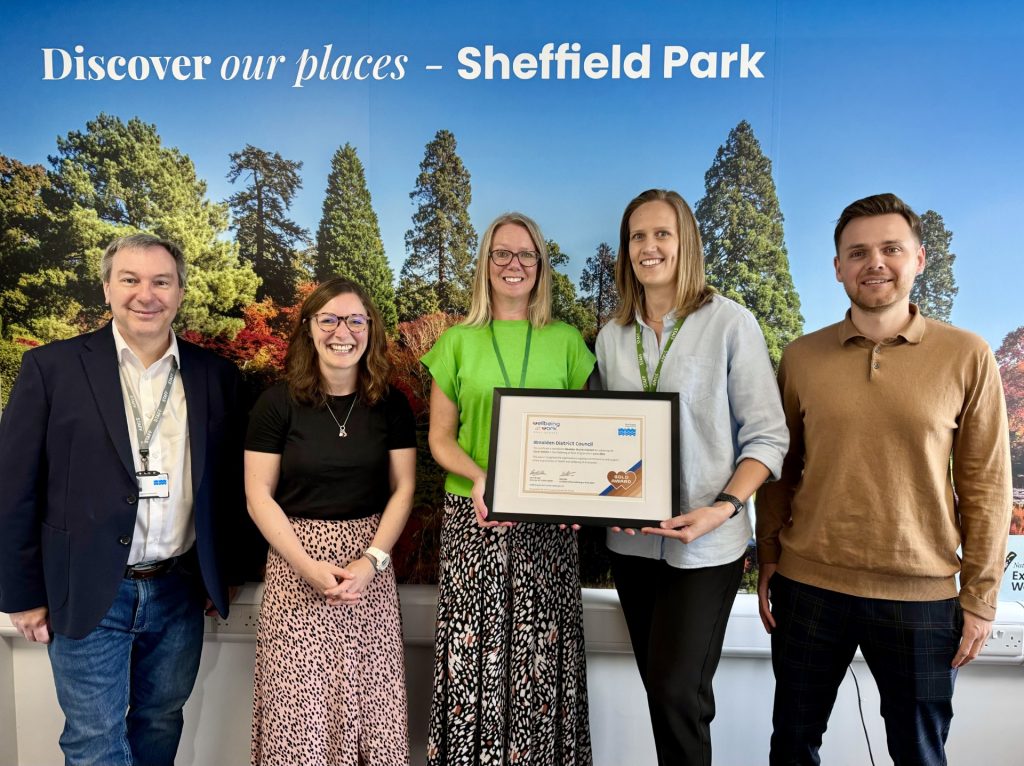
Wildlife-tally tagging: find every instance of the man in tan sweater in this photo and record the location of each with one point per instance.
(899, 455)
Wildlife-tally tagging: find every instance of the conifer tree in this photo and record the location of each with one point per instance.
(744, 249)
(116, 178)
(266, 237)
(597, 283)
(935, 288)
(438, 272)
(33, 298)
(348, 242)
(565, 306)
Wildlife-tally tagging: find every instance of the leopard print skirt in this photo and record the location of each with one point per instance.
(510, 674)
(329, 685)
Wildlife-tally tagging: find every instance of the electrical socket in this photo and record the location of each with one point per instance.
(1005, 641)
(242, 620)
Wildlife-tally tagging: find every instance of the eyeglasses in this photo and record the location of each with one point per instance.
(354, 322)
(526, 258)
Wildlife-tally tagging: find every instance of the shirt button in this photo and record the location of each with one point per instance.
(876, 365)
(130, 499)
(877, 349)
(124, 540)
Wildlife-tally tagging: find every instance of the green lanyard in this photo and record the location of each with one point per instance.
(501, 362)
(651, 386)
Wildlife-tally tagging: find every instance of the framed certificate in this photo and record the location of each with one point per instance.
(608, 458)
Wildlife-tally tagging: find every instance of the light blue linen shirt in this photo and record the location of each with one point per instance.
(729, 410)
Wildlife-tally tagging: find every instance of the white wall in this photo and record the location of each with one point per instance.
(218, 715)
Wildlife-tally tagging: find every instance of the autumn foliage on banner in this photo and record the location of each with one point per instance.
(250, 265)
(1011, 368)
(259, 351)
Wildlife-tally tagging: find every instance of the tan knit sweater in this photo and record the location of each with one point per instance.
(866, 502)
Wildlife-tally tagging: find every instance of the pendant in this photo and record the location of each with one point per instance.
(341, 432)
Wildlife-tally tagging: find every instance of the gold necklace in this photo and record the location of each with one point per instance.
(341, 426)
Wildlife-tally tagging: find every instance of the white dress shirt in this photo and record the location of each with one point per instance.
(163, 525)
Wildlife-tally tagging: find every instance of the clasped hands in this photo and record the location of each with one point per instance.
(340, 585)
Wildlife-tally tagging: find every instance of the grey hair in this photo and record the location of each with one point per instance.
(142, 241)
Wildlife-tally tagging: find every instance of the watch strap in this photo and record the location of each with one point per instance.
(378, 558)
(725, 497)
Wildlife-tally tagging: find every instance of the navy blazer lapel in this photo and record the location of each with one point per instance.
(99, 358)
(194, 379)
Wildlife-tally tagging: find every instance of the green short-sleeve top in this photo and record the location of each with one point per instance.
(466, 369)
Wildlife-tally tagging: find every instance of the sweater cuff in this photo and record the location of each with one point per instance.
(768, 552)
(974, 605)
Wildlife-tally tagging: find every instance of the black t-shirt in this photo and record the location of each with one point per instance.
(325, 476)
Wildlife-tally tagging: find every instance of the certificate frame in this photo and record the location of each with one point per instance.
(549, 450)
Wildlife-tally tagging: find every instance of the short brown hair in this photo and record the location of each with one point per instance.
(878, 204)
(692, 290)
(302, 368)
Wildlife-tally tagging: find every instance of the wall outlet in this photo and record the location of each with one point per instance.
(242, 621)
(1005, 641)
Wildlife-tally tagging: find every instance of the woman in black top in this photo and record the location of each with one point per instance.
(330, 465)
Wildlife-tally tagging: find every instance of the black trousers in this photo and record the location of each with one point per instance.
(676, 619)
(907, 645)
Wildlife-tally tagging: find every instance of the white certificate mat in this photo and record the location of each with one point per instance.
(587, 457)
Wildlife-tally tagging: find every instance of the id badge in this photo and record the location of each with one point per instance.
(153, 484)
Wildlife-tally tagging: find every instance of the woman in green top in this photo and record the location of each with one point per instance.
(510, 669)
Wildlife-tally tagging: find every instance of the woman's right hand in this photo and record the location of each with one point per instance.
(479, 507)
(324, 575)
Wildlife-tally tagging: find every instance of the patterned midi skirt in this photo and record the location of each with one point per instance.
(329, 680)
(510, 675)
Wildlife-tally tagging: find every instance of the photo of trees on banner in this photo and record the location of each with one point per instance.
(271, 188)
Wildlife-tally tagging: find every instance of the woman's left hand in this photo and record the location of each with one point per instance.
(351, 591)
(689, 526)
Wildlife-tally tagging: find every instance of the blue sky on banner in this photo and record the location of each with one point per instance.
(919, 98)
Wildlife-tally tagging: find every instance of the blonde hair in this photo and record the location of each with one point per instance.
(692, 290)
(538, 311)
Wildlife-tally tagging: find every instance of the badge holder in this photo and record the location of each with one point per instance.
(153, 484)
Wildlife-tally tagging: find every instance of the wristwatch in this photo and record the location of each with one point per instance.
(725, 497)
(378, 558)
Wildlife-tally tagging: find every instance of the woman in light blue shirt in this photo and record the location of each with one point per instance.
(677, 582)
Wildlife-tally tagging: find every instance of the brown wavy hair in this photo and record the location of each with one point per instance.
(302, 368)
(692, 290)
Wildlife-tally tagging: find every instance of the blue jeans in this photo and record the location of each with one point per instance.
(123, 686)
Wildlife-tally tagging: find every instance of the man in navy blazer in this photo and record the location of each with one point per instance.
(120, 495)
